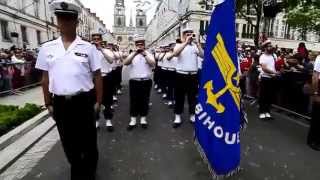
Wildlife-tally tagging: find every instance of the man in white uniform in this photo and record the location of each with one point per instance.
(107, 57)
(140, 64)
(187, 54)
(72, 88)
(169, 64)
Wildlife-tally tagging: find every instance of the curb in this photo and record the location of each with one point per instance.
(24, 128)
(18, 141)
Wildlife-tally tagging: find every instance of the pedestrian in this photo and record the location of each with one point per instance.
(187, 54)
(314, 132)
(267, 80)
(140, 64)
(72, 88)
(107, 57)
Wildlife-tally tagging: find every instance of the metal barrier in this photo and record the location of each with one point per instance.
(292, 92)
(15, 77)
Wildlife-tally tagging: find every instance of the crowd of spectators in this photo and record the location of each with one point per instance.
(291, 85)
(17, 69)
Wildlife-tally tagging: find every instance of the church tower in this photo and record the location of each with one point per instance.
(119, 14)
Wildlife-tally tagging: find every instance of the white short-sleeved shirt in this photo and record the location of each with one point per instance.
(169, 63)
(188, 58)
(269, 61)
(139, 68)
(70, 71)
(317, 64)
(105, 65)
(200, 62)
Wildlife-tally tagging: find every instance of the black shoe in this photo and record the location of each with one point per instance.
(176, 125)
(144, 126)
(129, 128)
(110, 128)
(315, 146)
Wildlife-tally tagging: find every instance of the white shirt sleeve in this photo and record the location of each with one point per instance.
(317, 64)
(94, 59)
(41, 63)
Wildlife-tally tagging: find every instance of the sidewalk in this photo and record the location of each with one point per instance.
(33, 96)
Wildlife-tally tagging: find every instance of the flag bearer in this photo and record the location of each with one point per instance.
(71, 71)
(140, 64)
(186, 74)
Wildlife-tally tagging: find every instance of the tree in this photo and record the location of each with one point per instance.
(304, 16)
(243, 11)
(259, 6)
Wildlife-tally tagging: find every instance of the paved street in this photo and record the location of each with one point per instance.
(274, 150)
(33, 95)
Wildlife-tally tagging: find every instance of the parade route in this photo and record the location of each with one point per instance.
(270, 150)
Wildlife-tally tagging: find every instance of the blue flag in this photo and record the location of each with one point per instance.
(217, 127)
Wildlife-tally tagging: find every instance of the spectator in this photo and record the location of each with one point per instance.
(302, 50)
(267, 62)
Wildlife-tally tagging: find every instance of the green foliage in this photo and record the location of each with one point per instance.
(12, 116)
(305, 16)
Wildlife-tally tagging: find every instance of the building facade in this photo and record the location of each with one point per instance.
(173, 15)
(29, 23)
(124, 34)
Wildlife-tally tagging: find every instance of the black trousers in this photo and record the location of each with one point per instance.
(113, 75)
(107, 96)
(156, 75)
(161, 81)
(185, 85)
(118, 78)
(169, 83)
(314, 132)
(266, 94)
(139, 97)
(76, 125)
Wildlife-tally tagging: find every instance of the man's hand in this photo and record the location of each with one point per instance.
(50, 109)
(144, 53)
(189, 39)
(316, 98)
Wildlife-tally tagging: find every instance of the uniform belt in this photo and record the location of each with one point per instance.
(70, 96)
(187, 72)
(168, 69)
(141, 79)
(105, 74)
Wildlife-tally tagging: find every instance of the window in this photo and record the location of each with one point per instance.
(119, 39)
(39, 37)
(36, 8)
(24, 34)
(140, 23)
(119, 22)
(4, 30)
(244, 31)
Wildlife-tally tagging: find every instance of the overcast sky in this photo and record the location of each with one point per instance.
(104, 9)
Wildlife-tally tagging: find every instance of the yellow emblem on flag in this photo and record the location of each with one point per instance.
(228, 70)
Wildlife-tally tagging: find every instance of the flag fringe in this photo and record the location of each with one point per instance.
(214, 175)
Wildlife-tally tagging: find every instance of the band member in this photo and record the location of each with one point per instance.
(169, 66)
(107, 57)
(118, 71)
(140, 64)
(186, 74)
(71, 71)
